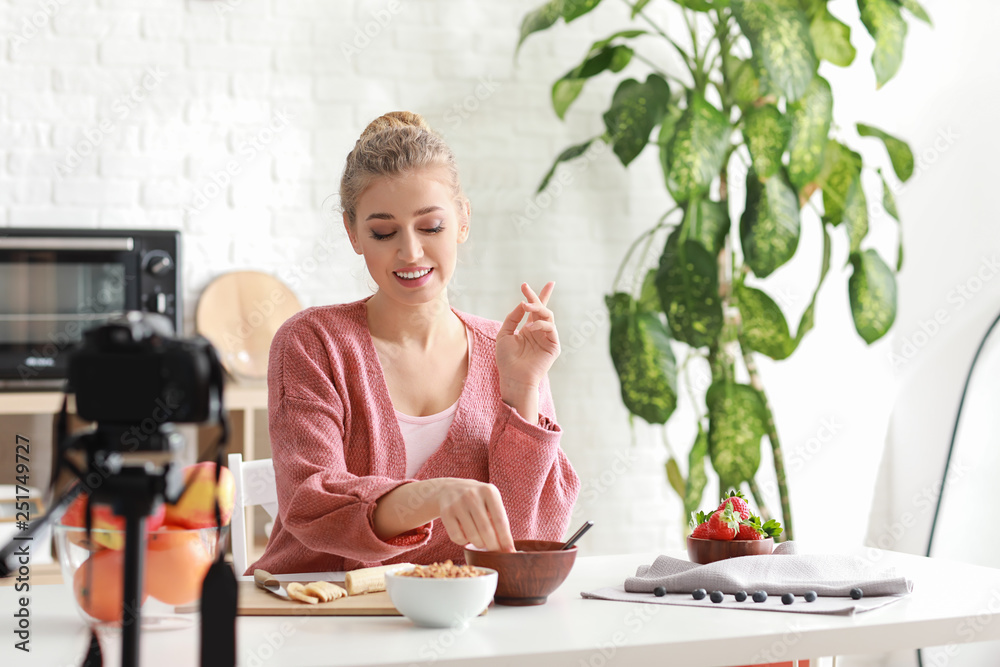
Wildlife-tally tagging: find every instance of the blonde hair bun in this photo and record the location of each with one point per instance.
(395, 143)
(396, 120)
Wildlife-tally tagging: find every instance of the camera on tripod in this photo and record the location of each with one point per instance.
(135, 380)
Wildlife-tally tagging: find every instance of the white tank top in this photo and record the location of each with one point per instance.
(423, 435)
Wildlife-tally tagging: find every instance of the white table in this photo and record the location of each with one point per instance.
(948, 599)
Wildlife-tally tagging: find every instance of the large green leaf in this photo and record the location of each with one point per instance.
(885, 23)
(810, 116)
(889, 204)
(565, 90)
(675, 477)
(697, 150)
(697, 477)
(708, 223)
(888, 199)
(856, 214)
(569, 154)
(832, 39)
(766, 132)
(668, 126)
(649, 298)
(621, 34)
(917, 10)
(764, 326)
(872, 288)
(841, 167)
(636, 109)
(778, 31)
(769, 228)
(737, 422)
(808, 319)
(541, 18)
(744, 82)
(574, 9)
(688, 283)
(899, 151)
(640, 350)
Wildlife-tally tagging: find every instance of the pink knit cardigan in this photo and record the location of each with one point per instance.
(337, 449)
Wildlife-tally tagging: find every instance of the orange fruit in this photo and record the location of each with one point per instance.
(102, 599)
(176, 563)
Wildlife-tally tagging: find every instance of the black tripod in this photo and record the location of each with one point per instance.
(133, 484)
(124, 374)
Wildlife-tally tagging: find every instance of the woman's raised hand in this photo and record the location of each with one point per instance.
(524, 356)
(473, 512)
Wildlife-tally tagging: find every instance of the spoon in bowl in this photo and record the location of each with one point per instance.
(577, 535)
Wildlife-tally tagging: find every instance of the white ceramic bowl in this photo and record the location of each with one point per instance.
(441, 603)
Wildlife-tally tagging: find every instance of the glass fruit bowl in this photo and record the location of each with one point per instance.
(176, 560)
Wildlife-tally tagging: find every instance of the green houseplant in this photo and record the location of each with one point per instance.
(749, 96)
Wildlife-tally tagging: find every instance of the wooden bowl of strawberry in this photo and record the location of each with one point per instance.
(730, 531)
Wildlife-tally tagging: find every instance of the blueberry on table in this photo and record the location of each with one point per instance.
(699, 593)
(741, 596)
(856, 593)
(717, 596)
(788, 598)
(760, 596)
(659, 591)
(810, 596)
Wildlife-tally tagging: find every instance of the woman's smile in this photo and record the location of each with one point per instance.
(414, 277)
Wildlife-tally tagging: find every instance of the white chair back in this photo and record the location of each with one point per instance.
(254, 486)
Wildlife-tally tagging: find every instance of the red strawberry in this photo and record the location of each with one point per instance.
(723, 525)
(701, 531)
(749, 532)
(754, 529)
(738, 503)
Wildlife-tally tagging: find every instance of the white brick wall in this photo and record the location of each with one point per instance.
(138, 156)
(73, 95)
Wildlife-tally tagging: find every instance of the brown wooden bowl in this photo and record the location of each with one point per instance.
(704, 552)
(529, 575)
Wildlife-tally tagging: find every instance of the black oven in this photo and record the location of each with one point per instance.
(57, 283)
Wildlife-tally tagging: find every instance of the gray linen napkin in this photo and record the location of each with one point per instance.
(831, 576)
(784, 571)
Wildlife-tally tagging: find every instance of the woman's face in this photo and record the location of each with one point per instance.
(408, 230)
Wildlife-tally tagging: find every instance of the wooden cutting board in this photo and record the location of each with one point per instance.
(239, 313)
(256, 602)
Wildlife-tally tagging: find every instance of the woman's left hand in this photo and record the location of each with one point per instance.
(524, 356)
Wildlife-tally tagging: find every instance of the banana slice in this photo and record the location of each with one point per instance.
(325, 590)
(297, 591)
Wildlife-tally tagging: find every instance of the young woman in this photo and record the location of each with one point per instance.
(402, 429)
